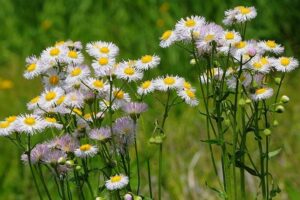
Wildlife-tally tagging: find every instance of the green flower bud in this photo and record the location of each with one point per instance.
(227, 122)
(284, 99)
(277, 80)
(267, 132)
(279, 109)
(193, 62)
(242, 102)
(157, 139)
(248, 101)
(70, 163)
(137, 198)
(61, 161)
(78, 168)
(275, 123)
(217, 64)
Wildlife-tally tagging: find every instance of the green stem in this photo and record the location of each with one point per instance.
(160, 171)
(138, 165)
(43, 181)
(149, 177)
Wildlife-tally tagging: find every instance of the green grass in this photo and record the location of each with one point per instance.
(135, 26)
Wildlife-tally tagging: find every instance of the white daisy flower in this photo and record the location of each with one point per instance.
(245, 13)
(52, 79)
(148, 62)
(285, 64)
(215, 73)
(8, 126)
(117, 182)
(208, 33)
(33, 103)
(230, 38)
(270, 46)
(54, 54)
(51, 122)
(73, 57)
(168, 82)
(104, 105)
(245, 79)
(188, 96)
(146, 87)
(102, 49)
(76, 74)
(262, 65)
(30, 123)
(185, 27)
(49, 97)
(167, 38)
(33, 67)
(74, 99)
(128, 72)
(262, 93)
(103, 65)
(230, 17)
(119, 96)
(97, 84)
(86, 150)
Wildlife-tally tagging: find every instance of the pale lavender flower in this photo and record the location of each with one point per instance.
(100, 134)
(134, 108)
(37, 154)
(124, 130)
(66, 143)
(52, 156)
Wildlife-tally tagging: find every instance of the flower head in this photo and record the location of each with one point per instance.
(86, 150)
(117, 182)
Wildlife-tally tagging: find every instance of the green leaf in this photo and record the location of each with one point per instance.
(212, 141)
(274, 153)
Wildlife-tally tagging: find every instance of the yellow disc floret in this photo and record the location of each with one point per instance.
(115, 179)
(76, 71)
(50, 96)
(260, 91)
(129, 71)
(54, 52)
(169, 80)
(285, 61)
(146, 84)
(30, 121)
(166, 35)
(85, 147)
(146, 59)
(190, 23)
(53, 80)
(73, 54)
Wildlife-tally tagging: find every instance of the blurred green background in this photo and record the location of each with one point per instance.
(27, 27)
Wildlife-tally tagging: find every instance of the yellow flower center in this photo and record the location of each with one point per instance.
(115, 179)
(264, 60)
(77, 111)
(103, 61)
(30, 121)
(166, 35)
(271, 43)
(129, 71)
(73, 54)
(98, 84)
(87, 116)
(50, 96)
(146, 59)
(54, 52)
(260, 91)
(31, 67)
(76, 72)
(244, 10)
(54, 80)
(50, 119)
(190, 23)
(59, 43)
(35, 99)
(285, 61)
(119, 94)
(85, 147)
(104, 50)
(209, 37)
(146, 84)
(187, 85)
(229, 36)
(240, 45)
(4, 124)
(169, 80)
(257, 65)
(190, 94)
(61, 100)
(11, 119)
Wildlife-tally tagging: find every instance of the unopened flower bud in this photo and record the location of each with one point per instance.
(217, 64)
(193, 61)
(279, 109)
(137, 198)
(227, 122)
(99, 198)
(128, 196)
(275, 123)
(78, 168)
(251, 52)
(70, 163)
(61, 161)
(267, 132)
(277, 80)
(284, 99)
(242, 102)
(248, 101)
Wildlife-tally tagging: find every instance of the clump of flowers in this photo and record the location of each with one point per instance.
(240, 81)
(92, 110)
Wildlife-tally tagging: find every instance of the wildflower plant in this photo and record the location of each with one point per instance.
(92, 108)
(239, 81)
